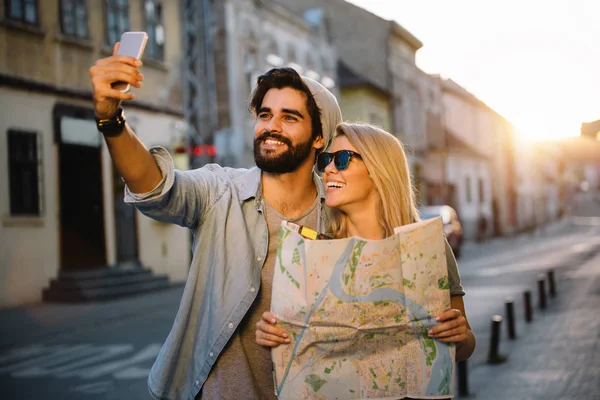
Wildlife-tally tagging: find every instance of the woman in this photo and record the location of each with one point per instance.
(370, 193)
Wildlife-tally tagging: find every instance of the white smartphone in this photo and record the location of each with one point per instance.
(132, 44)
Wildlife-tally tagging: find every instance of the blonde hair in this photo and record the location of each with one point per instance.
(385, 159)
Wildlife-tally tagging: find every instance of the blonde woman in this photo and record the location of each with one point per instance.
(369, 192)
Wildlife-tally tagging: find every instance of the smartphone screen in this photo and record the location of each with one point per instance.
(131, 44)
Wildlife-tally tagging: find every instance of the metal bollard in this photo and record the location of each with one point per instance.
(510, 318)
(494, 357)
(541, 292)
(551, 283)
(463, 382)
(527, 303)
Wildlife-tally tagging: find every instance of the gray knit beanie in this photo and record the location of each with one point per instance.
(331, 115)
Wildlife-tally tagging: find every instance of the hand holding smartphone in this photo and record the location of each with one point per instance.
(132, 44)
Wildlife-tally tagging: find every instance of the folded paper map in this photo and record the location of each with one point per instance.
(358, 312)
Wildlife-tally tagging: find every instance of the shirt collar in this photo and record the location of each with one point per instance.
(250, 185)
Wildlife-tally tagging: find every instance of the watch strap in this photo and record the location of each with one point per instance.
(113, 126)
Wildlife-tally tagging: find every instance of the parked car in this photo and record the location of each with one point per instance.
(452, 226)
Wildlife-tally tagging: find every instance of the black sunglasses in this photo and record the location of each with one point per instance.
(341, 159)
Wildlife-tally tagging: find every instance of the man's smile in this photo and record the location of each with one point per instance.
(272, 144)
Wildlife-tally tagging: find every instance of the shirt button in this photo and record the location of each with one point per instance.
(230, 325)
(259, 259)
(197, 382)
(252, 290)
(211, 354)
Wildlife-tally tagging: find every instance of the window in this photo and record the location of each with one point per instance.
(24, 166)
(23, 11)
(468, 189)
(117, 20)
(154, 26)
(73, 18)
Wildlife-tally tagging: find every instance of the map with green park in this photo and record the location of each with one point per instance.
(358, 312)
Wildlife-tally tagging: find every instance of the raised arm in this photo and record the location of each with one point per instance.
(132, 159)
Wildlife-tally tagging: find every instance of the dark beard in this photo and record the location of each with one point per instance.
(284, 163)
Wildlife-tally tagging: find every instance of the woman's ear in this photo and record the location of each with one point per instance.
(319, 143)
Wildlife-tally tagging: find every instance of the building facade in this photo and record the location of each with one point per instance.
(408, 106)
(361, 100)
(251, 38)
(540, 183)
(61, 200)
(432, 187)
(469, 143)
(490, 135)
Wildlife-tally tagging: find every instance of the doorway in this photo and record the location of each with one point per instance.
(81, 206)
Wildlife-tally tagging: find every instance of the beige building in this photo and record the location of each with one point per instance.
(480, 165)
(408, 106)
(252, 37)
(61, 202)
(361, 100)
(433, 187)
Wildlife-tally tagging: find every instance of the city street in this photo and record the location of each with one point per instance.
(104, 350)
(139, 140)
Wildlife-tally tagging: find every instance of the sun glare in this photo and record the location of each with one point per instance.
(533, 136)
(536, 132)
(538, 72)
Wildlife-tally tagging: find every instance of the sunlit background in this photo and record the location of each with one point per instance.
(535, 62)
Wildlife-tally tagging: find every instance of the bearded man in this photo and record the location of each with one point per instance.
(235, 216)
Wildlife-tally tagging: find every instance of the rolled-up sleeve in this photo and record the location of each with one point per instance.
(181, 196)
(167, 168)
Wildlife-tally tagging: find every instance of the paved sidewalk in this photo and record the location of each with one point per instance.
(557, 356)
(474, 250)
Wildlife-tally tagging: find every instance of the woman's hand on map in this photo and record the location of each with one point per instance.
(267, 334)
(452, 328)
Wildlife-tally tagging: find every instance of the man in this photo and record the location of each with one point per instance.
(234, 215)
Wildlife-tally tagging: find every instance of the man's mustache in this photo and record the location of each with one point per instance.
(268, 135)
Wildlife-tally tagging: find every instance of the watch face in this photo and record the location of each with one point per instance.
(112, 126)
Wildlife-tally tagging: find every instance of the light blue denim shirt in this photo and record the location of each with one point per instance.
(223, 209)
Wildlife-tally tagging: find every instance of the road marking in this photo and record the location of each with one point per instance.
(107, 353)
(132, 373)
(94, 388)
(41, 366)
(148, 353)
(22, 353)
(85, 361)
(55, 353)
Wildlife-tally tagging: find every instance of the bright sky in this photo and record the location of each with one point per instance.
(537, 62)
